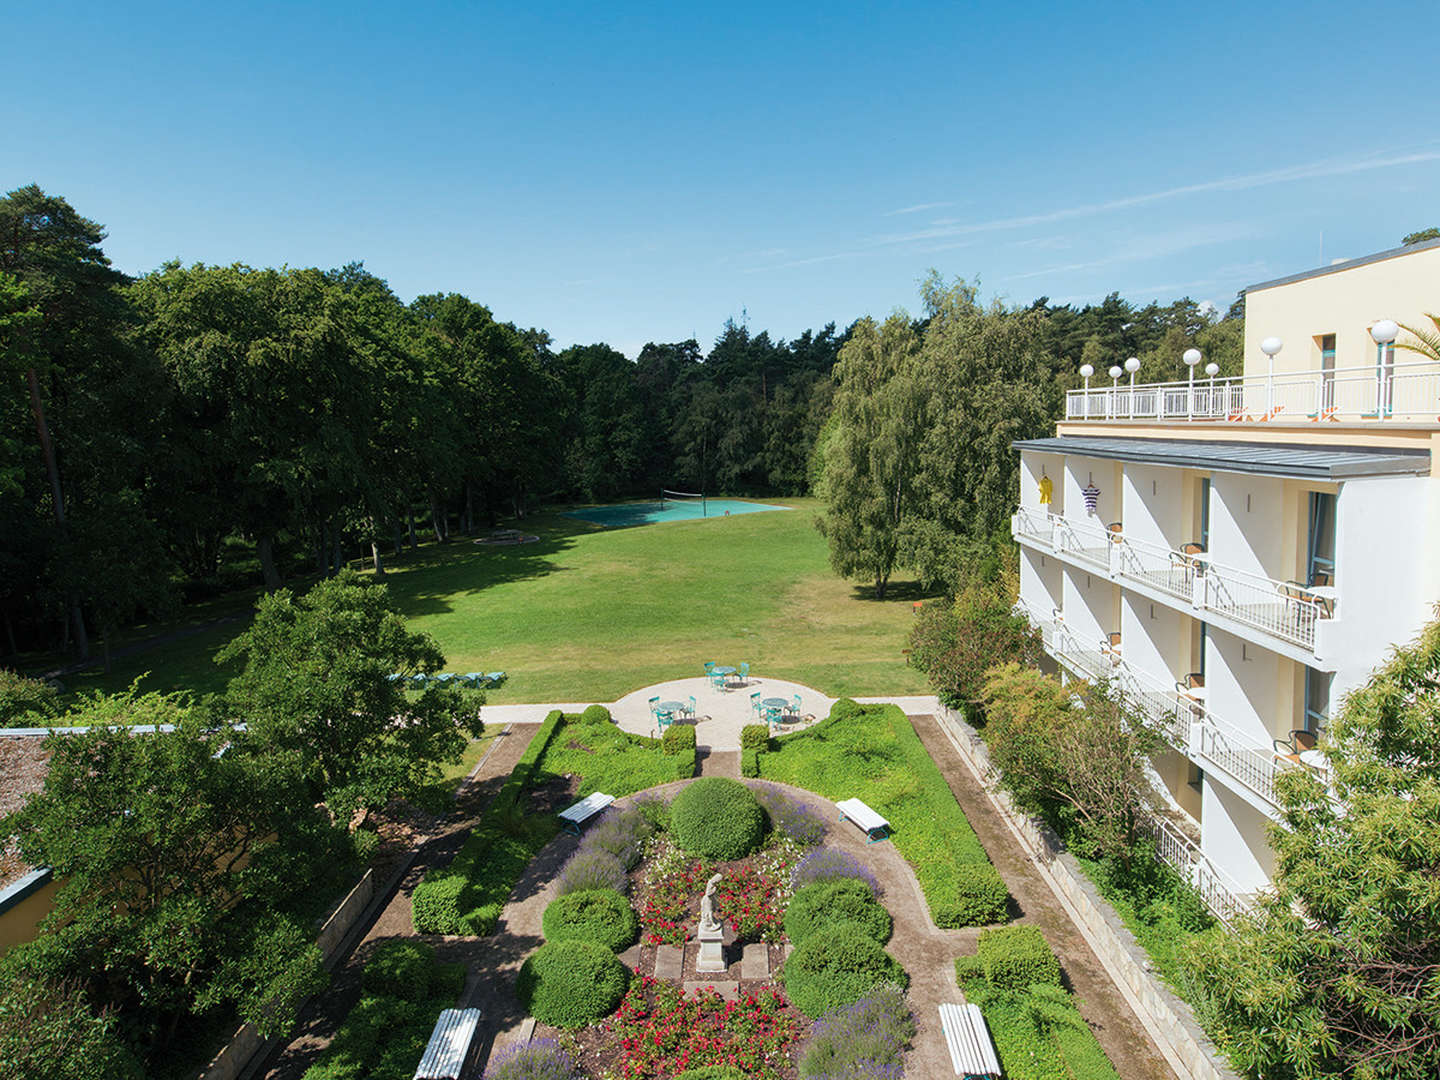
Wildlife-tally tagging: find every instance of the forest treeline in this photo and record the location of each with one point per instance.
(200, 428)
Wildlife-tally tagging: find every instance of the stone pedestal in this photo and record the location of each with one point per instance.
(712, 949)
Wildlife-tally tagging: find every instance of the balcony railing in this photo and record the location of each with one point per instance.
(1219, 892)
(1035, 524)
(1394, 391)
(1238, 755)
(1285, 610)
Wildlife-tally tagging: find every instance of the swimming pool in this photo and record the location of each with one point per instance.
(652, 512)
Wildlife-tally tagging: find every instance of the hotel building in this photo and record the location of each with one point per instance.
(1237, 554)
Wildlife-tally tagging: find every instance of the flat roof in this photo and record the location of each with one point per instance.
(1266, 459)
(1346, 264)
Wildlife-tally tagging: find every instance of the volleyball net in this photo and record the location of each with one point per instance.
(678, 498)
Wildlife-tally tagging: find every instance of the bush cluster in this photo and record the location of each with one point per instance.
(677, 739)
(613, 846)
(754, 736)
(977, 896)
(789, 817)
(595, 714)
(1038, 1033)
(592, 869)
(404, 989)
(824, 905)
(717, 818)
(831, 864)
(466, 897)
(829, 971)
(863, 1041)
(750, 763)
(1015, 957)
(539, 1059)
(569, 984)
(26, 702)
(599, 915)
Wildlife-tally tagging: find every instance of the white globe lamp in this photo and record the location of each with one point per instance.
(1086, 370)
(1271, 347)
(1212, 369)
(1384, 332)
(1191, 358)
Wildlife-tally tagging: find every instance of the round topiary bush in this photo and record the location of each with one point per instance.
(837, 968)
(717, 818)
(595, 714)
(599, 915)
(571, 983)
(828, 903)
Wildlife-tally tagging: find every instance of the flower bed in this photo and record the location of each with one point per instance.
(667, 886)
(659, 1030)
(752, 895)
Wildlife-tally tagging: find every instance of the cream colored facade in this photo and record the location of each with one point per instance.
(1344, 300)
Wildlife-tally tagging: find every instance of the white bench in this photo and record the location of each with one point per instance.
(584, 810)
(972, 1054)
(448, 1051)
(872, 824)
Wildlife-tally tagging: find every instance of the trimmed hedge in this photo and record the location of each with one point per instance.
(831, 970)
(1039, 1034)
(677, 739)
(872, 751)
(466, 896)
(569, 984)
(408, 969)
(717, 818)
(825, 904)
(750, 763)
(754, 736)
(1016, 957)
(607, 759)
(595, 714)
(599, 915)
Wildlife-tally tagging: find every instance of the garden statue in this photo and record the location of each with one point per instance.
(707, 906)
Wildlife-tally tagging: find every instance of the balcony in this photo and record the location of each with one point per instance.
(1188, 580)
(1218, 891)
(1183, 721)
(1397, 392)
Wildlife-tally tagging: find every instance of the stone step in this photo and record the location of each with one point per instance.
(755, 961)
(669, 962)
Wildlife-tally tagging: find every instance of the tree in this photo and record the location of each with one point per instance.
(49, 1029)
(873, 456)
(956, 644)
(1076, 754)
(317, 684)
(1421, 236)
(175, 862)
(1337, 972)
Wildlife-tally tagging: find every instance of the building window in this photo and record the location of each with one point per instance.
(1205, 513)
(1320, 549)
(1317, 700)
(1327, 374)
(1196, 776)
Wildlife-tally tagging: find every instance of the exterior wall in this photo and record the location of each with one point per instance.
(1232, 834)
(1173, 769)
(1090, 606)
(1247, 522)
(1154, 504)
(1105, 474)
(25, 905)
(1033, 467)
(1040, 581)
(1154, 638)
(1248, 686)
(1344, 303)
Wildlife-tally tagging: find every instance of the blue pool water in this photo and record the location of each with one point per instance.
(650, 513)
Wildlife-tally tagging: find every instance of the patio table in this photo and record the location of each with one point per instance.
(776, 702)
(669, 706)
(726, 671)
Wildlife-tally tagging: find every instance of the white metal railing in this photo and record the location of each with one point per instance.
(1087, 541)
(1237, 754)
(1167, 711)
(1406, 391)
(1158, 566)
(1035, 524)
(1219, 892)
(1283, 609)
(1286, 610)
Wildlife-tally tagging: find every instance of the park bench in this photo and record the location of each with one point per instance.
(872, 824)
(448, 1051)
(584, 810)
(972, 1054)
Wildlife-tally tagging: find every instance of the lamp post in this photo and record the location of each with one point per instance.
(1383, 333)
(1271, 347)
(1086, 370)
(1212, 369)
(1191, 358)
(1115, 372)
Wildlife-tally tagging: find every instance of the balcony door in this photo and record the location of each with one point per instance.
(1327, 373)
(1320, 550)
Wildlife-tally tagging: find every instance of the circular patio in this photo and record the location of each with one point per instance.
(720, 714)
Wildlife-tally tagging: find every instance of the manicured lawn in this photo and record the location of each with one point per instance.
(589, 614)
(608, 759)
(872, 752)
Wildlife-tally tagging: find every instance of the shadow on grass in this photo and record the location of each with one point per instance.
(898, 592)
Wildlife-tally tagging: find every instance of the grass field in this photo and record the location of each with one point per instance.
(588, 614)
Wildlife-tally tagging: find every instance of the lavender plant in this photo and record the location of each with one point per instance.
(831, 864)
(789, 816)
(863, 1041)
(592, 869)
(540, 1059)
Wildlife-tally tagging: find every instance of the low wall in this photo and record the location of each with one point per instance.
(237, 1055)
(1188, 1048)
(23, 904)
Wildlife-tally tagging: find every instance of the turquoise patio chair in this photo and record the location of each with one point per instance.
(494, 678)
(690, 712)
(774, 715)
(744, 673)
(709, 666)
(473, 678)
(654, 705)
(419, 681)
(755, 703)
(795, 704)
(717, 680)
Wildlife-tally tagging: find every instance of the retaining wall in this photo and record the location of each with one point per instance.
(1188, 1047)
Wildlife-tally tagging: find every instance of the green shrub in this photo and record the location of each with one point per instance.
(599, 915)
(571, 983)
(750, 763)
(595, 714)
(967, 968)
(400, 968)
(26, 702)
(977, 897)
(754, 736)
(435, 903)
(829, 970)
(1016, 957)
(823, 905)
(677, 739)
(655, 810)
(712, 1072)
(717, 818)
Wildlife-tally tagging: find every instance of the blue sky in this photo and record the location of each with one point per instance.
(627, 172)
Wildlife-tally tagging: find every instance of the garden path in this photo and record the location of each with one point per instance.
(389, 915)
(1110, 1016)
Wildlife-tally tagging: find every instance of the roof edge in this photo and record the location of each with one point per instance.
(1347, 264)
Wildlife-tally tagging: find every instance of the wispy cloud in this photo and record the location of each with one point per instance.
(917, 208)
(1151, 246)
